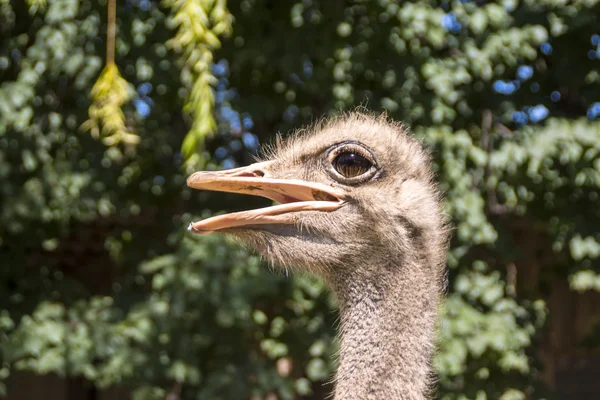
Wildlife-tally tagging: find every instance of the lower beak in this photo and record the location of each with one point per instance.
(294, 195)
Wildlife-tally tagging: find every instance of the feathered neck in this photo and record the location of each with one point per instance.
(387, 332)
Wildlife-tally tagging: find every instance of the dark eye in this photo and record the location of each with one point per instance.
(351, 165)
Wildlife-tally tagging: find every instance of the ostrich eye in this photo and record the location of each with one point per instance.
(351, 165)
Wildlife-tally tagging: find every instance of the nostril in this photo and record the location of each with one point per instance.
(250, 174)
(245, 175)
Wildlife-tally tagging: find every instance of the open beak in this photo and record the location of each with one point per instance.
(293, 195)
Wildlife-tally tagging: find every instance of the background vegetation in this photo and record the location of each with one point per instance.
(101, 288)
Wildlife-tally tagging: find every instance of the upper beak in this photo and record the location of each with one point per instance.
(294, 195)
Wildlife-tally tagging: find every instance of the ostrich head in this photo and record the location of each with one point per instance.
(355, 187)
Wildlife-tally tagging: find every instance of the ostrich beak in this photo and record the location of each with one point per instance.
(293, 195)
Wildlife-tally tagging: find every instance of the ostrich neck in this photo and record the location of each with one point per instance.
(387, 333)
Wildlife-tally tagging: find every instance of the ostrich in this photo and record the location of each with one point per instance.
(359, 207)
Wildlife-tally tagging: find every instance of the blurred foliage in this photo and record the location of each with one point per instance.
(98, 279)
(109, 94)
(199, 24)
